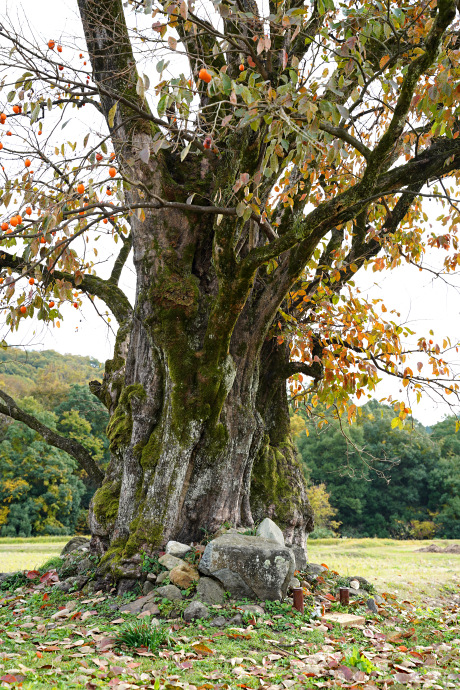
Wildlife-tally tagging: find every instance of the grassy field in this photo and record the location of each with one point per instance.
(87, 640)
(22, 554)
(391, 565)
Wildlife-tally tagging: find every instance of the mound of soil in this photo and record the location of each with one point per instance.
(453, 548)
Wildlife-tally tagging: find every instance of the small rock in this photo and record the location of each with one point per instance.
(130, 571)
(66, 585)
(164, 575)
(184, 576)
(73, 544)
(371, 605)
(354, 584)
(175, 548)
(218, 622)
(151, 577)
(252, 608)
(152, 608)
(378, 599)
(145, 603)
(5, 576)
(270, 530)
(313, 570)
(209, 591)
(135, 606)
(147, 587)
(84, 565)
(126, 585)
(170, 592)
(233, 582)
(364, 584)
(196, 610)
(236, 620)
(294, 583)
(170, 562)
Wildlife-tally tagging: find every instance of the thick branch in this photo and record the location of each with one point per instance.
(314, 370)
(69, 445)
(107, 291)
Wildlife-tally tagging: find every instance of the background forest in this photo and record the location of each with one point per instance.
(42, 491)
(368, 479)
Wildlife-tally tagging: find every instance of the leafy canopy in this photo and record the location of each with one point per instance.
(344, 117)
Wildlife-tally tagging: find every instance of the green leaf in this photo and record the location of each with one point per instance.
(34, 115)
(161, 107)
(226, 83)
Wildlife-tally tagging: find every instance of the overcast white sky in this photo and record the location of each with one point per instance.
(424, 303)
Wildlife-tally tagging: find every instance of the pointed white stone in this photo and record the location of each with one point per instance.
(270, 530)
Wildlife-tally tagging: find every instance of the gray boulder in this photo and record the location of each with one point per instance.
(196, 610)
(249, 566)
(270, 530)
(170, 592)
(73, 544)
(210, 591)
(175, 548)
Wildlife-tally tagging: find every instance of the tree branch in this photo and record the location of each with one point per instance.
(107, 290)
(69, 445)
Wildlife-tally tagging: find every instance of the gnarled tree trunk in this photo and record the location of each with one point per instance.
(199, 431)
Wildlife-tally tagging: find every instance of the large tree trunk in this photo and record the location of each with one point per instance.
(188, 431)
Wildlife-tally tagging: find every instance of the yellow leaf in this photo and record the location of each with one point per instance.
(202, 649)
(383, 61)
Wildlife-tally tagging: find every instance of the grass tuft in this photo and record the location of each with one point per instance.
(142, 634)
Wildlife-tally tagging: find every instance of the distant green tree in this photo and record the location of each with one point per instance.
(384, 490)
(327, 458)
(39, 490)
(445, 479)
(80, 399)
